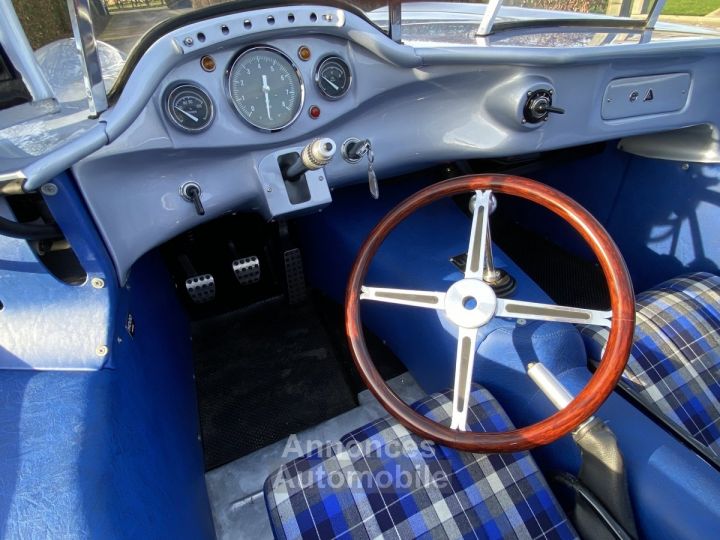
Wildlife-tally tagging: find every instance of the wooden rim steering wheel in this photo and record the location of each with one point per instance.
(470, 303)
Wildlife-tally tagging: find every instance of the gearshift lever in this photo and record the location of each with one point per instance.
(314, 156)
(502, 283)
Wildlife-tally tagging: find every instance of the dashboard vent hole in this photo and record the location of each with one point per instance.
(224, 29)
(313, 17)
(247, 24)
(201, 37)
(271, 20)
(291, 18)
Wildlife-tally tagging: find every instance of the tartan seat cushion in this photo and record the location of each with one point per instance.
(381, 481)
(674, 364)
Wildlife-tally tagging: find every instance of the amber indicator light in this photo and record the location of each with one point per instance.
(207, 63)
(304, 53)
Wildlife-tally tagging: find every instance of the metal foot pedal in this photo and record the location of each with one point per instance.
(201, 288)
(294, 276)
(247, 270)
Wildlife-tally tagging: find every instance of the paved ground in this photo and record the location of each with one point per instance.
(711, 21)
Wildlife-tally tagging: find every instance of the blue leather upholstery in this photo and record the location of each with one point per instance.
(674, 365)
(382, 481)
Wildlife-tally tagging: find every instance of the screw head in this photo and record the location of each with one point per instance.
(49, 189)
(188, 41)
(97, 283)
(685, 166)
(268, 189)
(321, 178)
(102, 350)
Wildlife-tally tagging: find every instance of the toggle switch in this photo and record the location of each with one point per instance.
(190, 191)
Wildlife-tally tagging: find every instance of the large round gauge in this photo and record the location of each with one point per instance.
(266, 88)
(333, 78)
(189, 108)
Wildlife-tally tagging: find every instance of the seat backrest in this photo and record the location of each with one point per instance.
(674, 365)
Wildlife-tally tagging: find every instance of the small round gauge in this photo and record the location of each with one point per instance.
(189, 108)
(266, 88)
(333, 77)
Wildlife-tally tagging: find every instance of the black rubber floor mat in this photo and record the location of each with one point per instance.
(568, 279)
(264, 373)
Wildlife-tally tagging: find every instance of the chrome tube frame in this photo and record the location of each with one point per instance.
(20, 53)
(395, 20)
(84, 33)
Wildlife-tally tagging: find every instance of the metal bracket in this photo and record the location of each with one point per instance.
(84, 33)
(395, 20)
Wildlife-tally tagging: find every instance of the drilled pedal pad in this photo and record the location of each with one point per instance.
(201, 288)
(247, 270)
(295, 276)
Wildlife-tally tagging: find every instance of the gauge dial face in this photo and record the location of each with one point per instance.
(189, 108)
(266, 88)
(333, 77)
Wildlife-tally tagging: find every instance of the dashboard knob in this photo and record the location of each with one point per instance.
(538, 106)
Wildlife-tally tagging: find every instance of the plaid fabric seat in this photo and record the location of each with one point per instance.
(674, 365)
(381, 481)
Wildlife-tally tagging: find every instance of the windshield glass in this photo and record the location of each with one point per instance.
(120, 24)
(123, 22)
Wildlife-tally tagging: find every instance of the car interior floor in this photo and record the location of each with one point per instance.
(264, 341)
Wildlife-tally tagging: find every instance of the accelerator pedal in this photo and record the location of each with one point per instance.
(247, 270)
(294, 276)
(200, 287)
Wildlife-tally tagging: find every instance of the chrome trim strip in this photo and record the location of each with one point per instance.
(18, 49)
(87, 47)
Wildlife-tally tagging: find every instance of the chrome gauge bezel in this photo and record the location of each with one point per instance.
(167, 97)
(228, 89)
(316, 76)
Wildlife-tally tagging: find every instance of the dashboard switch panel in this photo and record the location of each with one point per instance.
(642, 96)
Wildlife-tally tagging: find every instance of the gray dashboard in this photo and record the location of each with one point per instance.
(418, 104)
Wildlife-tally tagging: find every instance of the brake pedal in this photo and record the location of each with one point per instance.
(294, 276)
(247, 270)
(200, 287)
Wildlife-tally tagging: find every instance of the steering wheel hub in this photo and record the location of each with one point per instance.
(470, 303)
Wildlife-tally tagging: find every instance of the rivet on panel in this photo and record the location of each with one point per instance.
(49, 189)
(97, 283)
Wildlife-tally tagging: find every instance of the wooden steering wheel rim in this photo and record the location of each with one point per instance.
(601, 383)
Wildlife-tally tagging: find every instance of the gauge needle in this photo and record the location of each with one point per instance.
(335, 86)
(266, 90)
(190, 116)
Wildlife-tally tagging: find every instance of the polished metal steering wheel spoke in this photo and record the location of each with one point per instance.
(405, 297)
(464, 362)
(474, 267)
(517, 309)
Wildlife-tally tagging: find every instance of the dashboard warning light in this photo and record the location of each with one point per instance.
(314, 112)
(304, 53)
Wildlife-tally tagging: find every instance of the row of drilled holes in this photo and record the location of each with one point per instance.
(225, 29)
